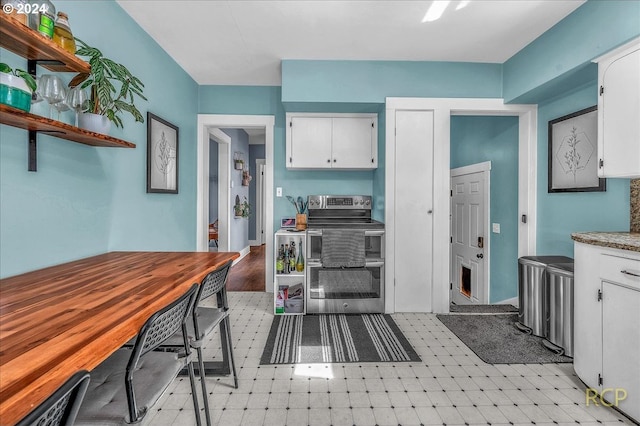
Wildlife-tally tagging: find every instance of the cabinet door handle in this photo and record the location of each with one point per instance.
(334, 160)
(328, 161)
(630, 273)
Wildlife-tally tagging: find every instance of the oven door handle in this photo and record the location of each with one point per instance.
(377, 233)
(314, 232)
(374, 264)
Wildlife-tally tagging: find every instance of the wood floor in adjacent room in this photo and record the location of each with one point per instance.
(248, 274)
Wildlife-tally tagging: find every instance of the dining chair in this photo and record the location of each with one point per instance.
(126, 385)
(206, 319)
(61, 408)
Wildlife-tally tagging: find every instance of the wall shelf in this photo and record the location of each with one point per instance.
(32, 45)
(38, 124)
(39, 50)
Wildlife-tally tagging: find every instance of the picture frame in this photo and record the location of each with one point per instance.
(573, 153)
(162, 155)
(288, 222)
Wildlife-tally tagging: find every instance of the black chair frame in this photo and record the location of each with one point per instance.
(61, 408)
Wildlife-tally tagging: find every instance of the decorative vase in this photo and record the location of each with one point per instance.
(301, 221)
(94, 123)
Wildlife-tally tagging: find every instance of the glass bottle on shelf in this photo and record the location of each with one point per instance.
(300, 261)
(286, 259)
(280, 260)
(62, 33)
(44, 20)
(292, 256)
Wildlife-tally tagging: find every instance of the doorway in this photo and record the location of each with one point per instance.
(208, 124)
(470, 251)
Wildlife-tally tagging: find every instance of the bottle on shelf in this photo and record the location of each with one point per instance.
(44, 20)
(292, 256)
(300, 260)
(280, 260)
(286, 259)
(62, 33)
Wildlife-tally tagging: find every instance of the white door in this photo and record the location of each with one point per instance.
(468, 238)
(413, 210)
(310, 142)
(353, 142)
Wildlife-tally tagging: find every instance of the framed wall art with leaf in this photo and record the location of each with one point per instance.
(573, 157)
(162, 155)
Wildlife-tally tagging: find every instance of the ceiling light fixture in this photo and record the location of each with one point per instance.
(436, 10)
(463, 4)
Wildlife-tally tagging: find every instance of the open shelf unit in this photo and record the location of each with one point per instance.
(291, 306)
(39, 50)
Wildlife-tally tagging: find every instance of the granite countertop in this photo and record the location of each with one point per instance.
(618, 240)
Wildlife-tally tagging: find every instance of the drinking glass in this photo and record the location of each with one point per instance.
(77, 99)
(62, 105)
(52, 90)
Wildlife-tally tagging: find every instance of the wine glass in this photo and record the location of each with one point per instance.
(52, 90)
(77, 99)
(62, 105)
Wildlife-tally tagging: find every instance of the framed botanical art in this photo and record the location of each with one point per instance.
(162, 155)
(573, 159)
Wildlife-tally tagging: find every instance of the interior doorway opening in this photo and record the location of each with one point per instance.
(208, 127)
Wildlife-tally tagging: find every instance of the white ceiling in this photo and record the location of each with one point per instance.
(242, 42)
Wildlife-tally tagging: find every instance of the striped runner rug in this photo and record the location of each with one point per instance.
(336, 338)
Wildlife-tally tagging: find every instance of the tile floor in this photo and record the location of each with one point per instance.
(451, 386)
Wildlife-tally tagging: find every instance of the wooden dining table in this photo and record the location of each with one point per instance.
(69, 317)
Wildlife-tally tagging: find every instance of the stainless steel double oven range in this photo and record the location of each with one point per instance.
(341, 227)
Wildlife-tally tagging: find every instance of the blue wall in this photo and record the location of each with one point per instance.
(85, 200)
(559, 59)
(373, 81)
(560, 214)
(495, 139)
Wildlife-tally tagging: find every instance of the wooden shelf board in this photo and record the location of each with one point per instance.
(24, 120)
(30, 44)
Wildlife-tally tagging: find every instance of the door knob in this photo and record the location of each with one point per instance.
(480, 255)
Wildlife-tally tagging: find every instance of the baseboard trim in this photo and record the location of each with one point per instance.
(513, 301)
(245, 251)
(254, 243)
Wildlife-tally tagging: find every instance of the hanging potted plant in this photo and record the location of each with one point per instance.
(113, 91)
(242, 209)
(16, 87)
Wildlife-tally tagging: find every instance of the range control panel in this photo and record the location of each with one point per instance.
(340, 202)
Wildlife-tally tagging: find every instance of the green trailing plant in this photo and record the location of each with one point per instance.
(113, 88)
(28, 78)
(243, 209)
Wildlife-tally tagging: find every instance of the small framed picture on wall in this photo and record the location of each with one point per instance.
(162, 155)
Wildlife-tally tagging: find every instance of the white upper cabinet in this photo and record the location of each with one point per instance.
(332, 141)
(619, 112)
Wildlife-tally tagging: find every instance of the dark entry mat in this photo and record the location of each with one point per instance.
(496, 340)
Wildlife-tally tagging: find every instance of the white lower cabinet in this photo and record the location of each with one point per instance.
(607, 325)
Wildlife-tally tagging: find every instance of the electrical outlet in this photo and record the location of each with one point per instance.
(496, 228)
(279, 192)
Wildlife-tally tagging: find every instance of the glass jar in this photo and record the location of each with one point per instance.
(62, 34)
(18, 10)
(44, 20)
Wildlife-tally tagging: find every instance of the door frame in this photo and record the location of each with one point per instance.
(224, 183)
(443, 108)
(260, 235)
(205, 123)
(485, 169)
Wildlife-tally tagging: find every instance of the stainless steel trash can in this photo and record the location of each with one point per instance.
(531, 285)
(559, 302)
